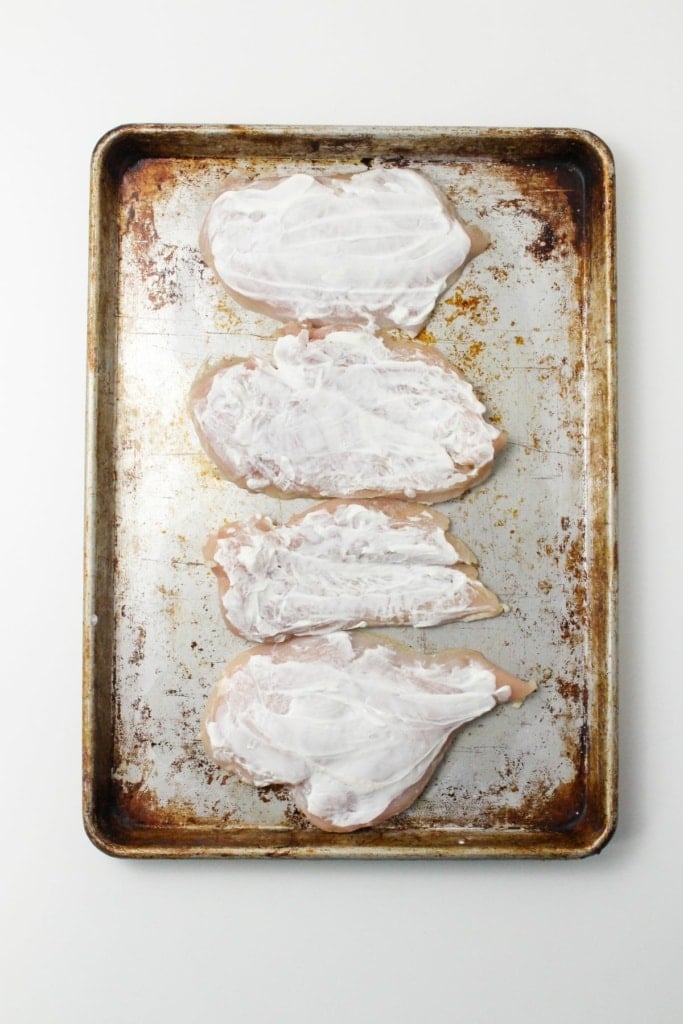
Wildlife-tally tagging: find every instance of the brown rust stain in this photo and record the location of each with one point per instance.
(574, 623)
(575, 567)
(560, 809)
(508, 515)
(569, 690)
(577, 369)
(501, 273)
(137, 805)
(426, 337)
(296, 820)
(543, 247)
(545, 244)
(149, 178)
(551, 806)
(474, 302)
(157, 177)
(138, 652)
(172, 601)
(157, 262)
(92, 349)
(206, 469)
(548, 550)
(267, 794)
(227, 317)
(467, 356)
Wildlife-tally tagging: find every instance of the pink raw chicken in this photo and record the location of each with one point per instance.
(346, 414)
(341, 565)
(375, 248)
(354, 726)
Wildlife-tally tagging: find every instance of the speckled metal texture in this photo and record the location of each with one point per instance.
(531, 324)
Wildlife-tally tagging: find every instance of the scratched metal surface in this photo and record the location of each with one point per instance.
(516, 324)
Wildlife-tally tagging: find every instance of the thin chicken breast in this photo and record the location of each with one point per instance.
(348, 414)
(342, 565)
(353, 725)
(375, 248)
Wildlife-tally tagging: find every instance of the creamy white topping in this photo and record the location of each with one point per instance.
(350, 727)
(377, 247)
(342, 567)
(345, 415)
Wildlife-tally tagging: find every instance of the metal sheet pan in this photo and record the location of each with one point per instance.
(531, 323)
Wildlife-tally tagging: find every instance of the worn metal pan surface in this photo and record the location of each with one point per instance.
(531, 323)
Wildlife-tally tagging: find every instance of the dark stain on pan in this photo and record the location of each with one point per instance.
(543, 247)
(550, 804)
(563, 809)
(138, 652)
(295, 819)
(552, 195)
(551, 239)
(570, 690)
(136, 805)
(398, 161)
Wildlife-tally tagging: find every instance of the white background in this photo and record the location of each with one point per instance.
(88, 939)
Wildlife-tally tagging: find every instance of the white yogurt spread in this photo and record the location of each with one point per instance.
(376, 248)
(343, 567)
(344, 416)
(350, 724)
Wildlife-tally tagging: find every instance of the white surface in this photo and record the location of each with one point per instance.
(86, 938)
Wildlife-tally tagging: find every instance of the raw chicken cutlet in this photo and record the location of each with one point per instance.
(375, 248)
(354, 726)
(344, 565)
(348, 414)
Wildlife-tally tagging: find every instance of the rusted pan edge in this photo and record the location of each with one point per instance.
(99, 552)
(117, 151)
(89, 570)
(96, 296)
(407, 845)
(123, 146)
(602, 483)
